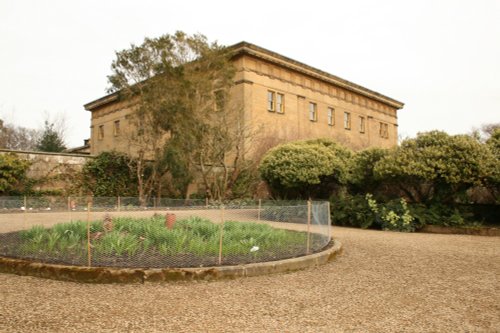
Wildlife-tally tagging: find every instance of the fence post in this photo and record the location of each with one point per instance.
(258, 212)
(69, 208)
(206, 202)
(329, 221)
(89, 254)
(221, 234)
(118, 203)
(308, 226)
(25, 212)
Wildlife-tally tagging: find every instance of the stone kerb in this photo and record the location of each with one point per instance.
(143, 275)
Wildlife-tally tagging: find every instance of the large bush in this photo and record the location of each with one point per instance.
(436, 166)
(309, 168)
(362, 176)
(12, 173)
(109, 174)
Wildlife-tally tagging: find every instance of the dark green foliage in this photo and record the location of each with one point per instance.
(362, 177)
(445, 215)
(353, 211)
(436, 167)
(109, 174)
(12, 173)
(50, 140)
(311, 168)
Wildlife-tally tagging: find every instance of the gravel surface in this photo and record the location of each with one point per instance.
(383, 282)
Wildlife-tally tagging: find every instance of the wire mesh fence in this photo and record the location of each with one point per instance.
(160, 232)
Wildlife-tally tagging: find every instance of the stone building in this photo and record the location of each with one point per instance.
(287, 100)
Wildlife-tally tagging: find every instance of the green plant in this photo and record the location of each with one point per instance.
(132, 236)
(109, 174)
(352, 211)
(437, 167)
(306, 168)
(12, 173)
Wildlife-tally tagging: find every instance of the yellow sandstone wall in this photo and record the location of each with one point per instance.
(300, 85)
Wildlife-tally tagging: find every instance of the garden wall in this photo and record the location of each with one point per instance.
(51, 171)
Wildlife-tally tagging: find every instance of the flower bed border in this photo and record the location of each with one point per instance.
(143, 275)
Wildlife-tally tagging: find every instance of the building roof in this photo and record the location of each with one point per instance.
(278, 59)
(245, 48)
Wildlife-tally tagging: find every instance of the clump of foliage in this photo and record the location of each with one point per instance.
(362, 176)
(352, 211)
(393, 215)
(50, 139)
(306, 168)
(12, 173)
(436, 167)
(109, 174)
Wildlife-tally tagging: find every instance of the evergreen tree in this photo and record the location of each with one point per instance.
(50, 140)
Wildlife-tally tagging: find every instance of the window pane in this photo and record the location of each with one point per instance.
(280, 103)
(347, 120)
(313, 116)
(331, 116)
(270, 101)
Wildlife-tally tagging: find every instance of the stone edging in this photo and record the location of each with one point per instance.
(483, 231)
(143, 275)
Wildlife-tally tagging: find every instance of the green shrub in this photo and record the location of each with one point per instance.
(352, 211)
(306, 168)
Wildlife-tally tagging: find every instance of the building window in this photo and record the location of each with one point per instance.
(280, 103)
(331, 116)
(116, 128)
(384, 130)
(271, 101)
(361, 124)
(313, 111)
(347, 120)
(100, 132)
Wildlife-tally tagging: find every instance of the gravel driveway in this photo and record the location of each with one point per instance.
(383, 282)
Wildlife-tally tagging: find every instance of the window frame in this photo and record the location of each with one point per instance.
(347, 120)
(313, 112)
(271, 101)
(280, 103)
(362, 124)
(116, 128)
(330, 116)
(100, 132)
(384, 130)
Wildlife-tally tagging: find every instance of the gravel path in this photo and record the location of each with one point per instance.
(383, 282)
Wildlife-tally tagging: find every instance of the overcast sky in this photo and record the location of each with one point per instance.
(440, 57)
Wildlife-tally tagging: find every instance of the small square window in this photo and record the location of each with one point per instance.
(271, 101)
(361, 124)
(384, 130)
(331, 116)
(313, 111)
(347, 120)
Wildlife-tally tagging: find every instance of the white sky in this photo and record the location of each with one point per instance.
(440, 57)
